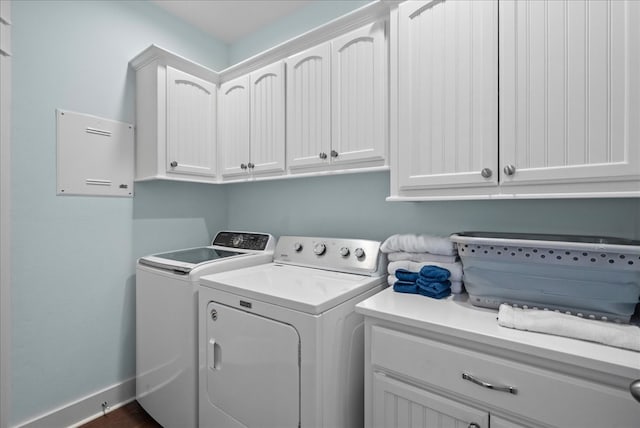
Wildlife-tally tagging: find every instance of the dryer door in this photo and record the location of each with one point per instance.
(253, 372)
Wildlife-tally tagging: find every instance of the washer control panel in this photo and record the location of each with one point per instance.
(244, 240)
(358, 256)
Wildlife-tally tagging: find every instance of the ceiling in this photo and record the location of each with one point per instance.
(230, 20)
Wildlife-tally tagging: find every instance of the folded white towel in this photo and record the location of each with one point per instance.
(454, 268)
(456, 286)
(618, 335)
(421, 257)
(419, 244)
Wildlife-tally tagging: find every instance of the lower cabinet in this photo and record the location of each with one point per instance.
(399, 404)
(418, 381)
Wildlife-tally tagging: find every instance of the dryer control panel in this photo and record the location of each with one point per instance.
(357, 256)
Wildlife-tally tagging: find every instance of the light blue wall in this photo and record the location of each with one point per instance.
(73, 258)
(288, 27)
(354, 206)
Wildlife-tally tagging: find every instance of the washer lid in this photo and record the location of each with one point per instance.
(184, 261)
(303, 289)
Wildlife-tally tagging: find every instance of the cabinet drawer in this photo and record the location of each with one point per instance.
(545, 396)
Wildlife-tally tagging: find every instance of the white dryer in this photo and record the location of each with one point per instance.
(167, 321)
(280, 344)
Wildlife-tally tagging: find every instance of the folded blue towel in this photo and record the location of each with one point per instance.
(405, 287)
(434, 273)
(406, 275)
(440, 295)
(433, 286)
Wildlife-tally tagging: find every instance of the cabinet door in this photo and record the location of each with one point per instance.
(267, 119)
(569, 91)
(398, 404)
(447, 94)
(191, 112)
(309, 107)
(233, 126)
(359, 95)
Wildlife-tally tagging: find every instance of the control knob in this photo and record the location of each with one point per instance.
(297, 247)
(344, 251)
(359, 253)
(319, 249)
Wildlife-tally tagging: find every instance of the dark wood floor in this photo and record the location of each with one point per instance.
(128, 416)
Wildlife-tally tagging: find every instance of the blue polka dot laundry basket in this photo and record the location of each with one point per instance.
(588, 276)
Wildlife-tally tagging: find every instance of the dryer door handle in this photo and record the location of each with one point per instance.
(213, 355)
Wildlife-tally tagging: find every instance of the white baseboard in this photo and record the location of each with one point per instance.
(85, 409)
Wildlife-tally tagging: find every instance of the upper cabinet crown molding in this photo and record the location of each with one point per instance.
(165, 57)
(374, 11)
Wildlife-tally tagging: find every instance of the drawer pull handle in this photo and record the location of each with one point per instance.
(635, 389)
(503, 388)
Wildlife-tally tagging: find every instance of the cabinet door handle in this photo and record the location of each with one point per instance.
(509, 170)
(334, 154)
(486, 172)
(173, 164)
(243, 166)
(322, 155)
(502, 388)
(250, 165)
(635, 389)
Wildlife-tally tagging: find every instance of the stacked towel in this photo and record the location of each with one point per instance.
(419, 244)
(421, 257)
(413, 252)
(618, 335)
(431, 281)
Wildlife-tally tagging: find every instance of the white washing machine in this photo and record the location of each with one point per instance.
(280, 344)
(167, 321)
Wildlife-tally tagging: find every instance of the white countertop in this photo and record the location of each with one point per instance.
(455, 316)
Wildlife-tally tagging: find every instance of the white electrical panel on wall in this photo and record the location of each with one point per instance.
(95, 155)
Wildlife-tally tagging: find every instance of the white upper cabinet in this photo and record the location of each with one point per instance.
(233, 126)
(447, 90)
(570, 95)
(191, 110)
(337, 103)
(175, 118)
(251, 123)
(565, 122)
(267, 119)
(288, 111)
(309, 107)
(359, 95)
